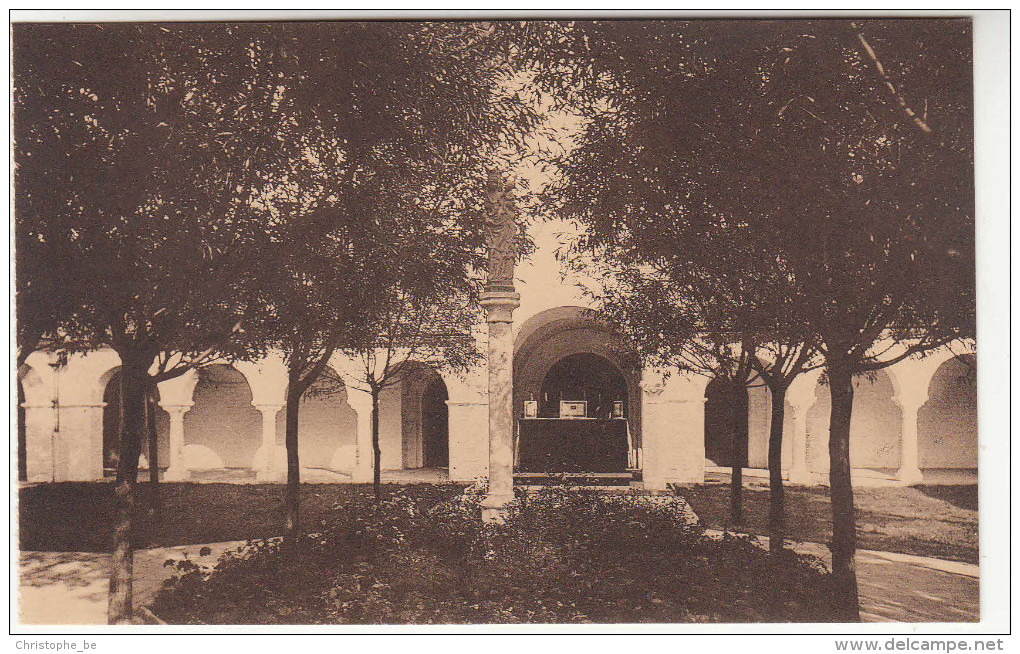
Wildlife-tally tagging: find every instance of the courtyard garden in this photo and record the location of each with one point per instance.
(422, 555)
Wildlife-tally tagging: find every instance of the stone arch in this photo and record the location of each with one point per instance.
(424, 417)
(222, 429)
(554, 334)
(327, 425)
(947, 422)
(875, 425)
(111, 426)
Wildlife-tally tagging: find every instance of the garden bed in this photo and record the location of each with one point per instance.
(422, 556)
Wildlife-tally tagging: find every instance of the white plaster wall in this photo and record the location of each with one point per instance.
(325, 423)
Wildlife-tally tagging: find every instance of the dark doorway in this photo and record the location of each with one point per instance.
(582, 378)
(111, 428)
(435, 425)
(719, 425)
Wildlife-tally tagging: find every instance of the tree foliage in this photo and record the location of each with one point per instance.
(803, 184)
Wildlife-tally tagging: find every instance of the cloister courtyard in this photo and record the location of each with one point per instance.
(917, 561)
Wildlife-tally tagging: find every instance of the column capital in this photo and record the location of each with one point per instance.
(499, 305)
(176, 407)
(268, 408)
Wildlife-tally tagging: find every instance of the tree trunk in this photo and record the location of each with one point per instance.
(133, 389)
(150, 418)
(22, 437)
(844, 574)
(376, 450)
(738, 453)
(293, 493)
(777, 510)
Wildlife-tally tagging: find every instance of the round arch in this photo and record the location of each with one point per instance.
(875, 427)
(327, 425)
(555, 334)
(111, 425)
(424, 418)
(222, 429)
(947, 423)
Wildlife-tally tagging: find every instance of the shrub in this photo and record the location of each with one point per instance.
(423, 556)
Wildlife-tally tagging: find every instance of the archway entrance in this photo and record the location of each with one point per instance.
(435, 427)
(587, 378)
(581, 422)
(577, 395)
(720, 423)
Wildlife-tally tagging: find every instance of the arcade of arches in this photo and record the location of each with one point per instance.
(581, 403)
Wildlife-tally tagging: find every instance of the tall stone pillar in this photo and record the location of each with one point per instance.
(176, 396)
(502, 235)
(40, 434)
(266, 454)
(801, 396)
(499, 307)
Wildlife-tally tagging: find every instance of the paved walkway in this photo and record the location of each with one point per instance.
(896, 587)
(71, 587)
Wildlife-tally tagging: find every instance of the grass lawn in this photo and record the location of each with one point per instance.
(78, 516)
(939, 521)
(423, 556)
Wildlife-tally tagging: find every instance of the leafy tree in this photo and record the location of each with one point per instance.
(427, 314)
(802, 172)
(372, 214)
(134, 158)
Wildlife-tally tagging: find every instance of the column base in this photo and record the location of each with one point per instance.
(910, 476)
(495, 509)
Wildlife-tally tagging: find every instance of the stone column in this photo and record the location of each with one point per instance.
(177, 470)
(801, 396)
(78, 452)
(910, 401)
(267, 451)
(499, 307)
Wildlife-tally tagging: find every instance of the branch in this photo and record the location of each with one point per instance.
(885, 77)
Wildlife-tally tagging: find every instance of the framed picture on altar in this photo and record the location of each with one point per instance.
(573, 409)
(617, 409)
(530, 409)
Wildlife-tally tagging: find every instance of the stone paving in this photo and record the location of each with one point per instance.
(70, 587)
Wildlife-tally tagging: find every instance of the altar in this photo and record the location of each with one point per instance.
(572, 445)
